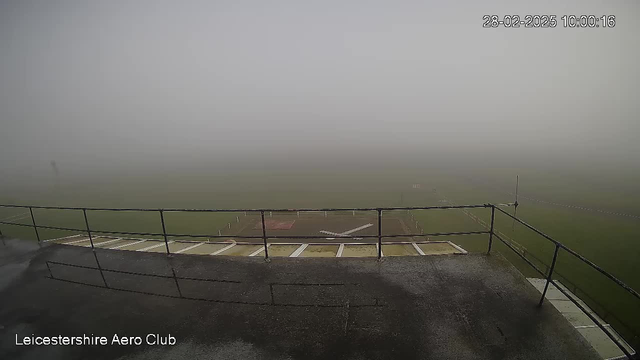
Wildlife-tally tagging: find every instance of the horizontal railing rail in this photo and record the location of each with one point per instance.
(257, 209)
(549, 279)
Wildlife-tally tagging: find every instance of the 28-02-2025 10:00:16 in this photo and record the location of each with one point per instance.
(549, 21)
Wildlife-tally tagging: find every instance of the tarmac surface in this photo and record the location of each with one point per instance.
(414, 307)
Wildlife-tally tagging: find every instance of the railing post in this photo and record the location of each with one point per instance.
(86, 222)
(264, 236)
(379, 234)
(164, 231)
(33, 220)
(493, 217)
(100, 269)
(553, 264)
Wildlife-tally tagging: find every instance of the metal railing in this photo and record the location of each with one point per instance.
(379, 236)
(549, 275)
(264, 237)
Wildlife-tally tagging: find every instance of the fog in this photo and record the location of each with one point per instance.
(115, 87)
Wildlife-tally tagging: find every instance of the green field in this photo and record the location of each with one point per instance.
(610, 241)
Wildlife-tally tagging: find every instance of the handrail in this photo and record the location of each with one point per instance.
(392, 208)
(572, 252)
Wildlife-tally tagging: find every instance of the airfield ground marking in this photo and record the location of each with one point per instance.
(299, 250)
(107, 242)
(357, 229)
(223, 249)
(121, 246)
(381, 253)
(259, 250)
(189, 248)
(75, 242)
(155, 246)
(458, 247)
(64, 237)
(16, 217)
(338, 234)
(340, 250)
(346, 233)
(417, 248)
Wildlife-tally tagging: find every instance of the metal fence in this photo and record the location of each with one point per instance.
(379, 236)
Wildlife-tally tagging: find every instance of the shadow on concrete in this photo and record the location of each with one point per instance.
(440, 307)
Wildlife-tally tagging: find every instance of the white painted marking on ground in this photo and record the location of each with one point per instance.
(107, 242)
(417, 248)
(457, 247)
(381, 252)
(189, 248)
(337, 234)
(346, 233)
(223, 249)
(154, 246)
(588, 326)
(299, 250)
(357, 229)
(75, 242)
(16, 217)
(64, 237)
(259, 250)
(121, 246)
(340, 250)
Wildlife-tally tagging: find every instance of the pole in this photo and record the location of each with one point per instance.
(164, 232)
(86, 222)
(493, 217)
(379, 234)
(33, 220)
(264, 237)
(553, 264)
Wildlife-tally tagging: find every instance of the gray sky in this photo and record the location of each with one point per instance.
(85, 82)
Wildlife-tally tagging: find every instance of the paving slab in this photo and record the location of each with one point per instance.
(399, 250)
(595, 336)
(206, 249)
(120, 242)
(320, 251)
(173, 247)
(276, 250)
(241, 250)
(139, 244)
(438, 248)
(359, 251)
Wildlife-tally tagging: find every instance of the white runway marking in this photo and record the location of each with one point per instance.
(258, 251)
(189, 248)
(336, 234)
(133, 243)
(64, 237)
(154, 246)
(415, 246)
(299, 250)
(381, 252)
(458, 247)
(16, 217)
(75, 242)
(340, 250)
(346, 233)
(107, 242)
(223, 249)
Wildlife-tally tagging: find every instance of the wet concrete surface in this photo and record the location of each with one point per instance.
(422, 307)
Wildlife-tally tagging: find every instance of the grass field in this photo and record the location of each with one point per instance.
(610, 241)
